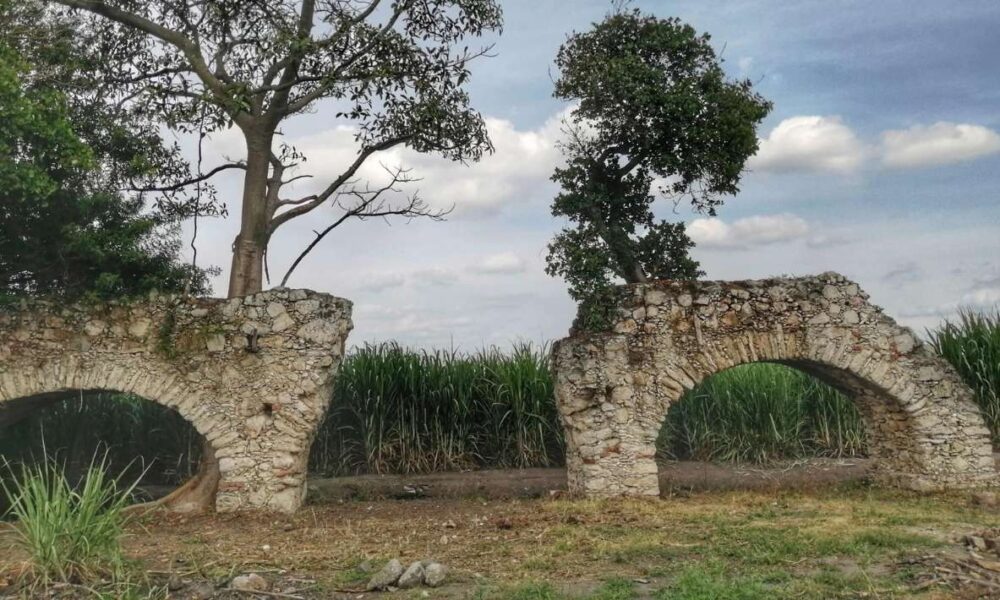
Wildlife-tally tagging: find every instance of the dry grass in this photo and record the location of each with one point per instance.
(766, 545)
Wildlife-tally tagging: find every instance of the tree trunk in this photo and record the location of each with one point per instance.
(247, 274)
(245, 278)
(621, 248)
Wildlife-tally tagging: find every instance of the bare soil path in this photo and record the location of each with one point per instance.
(675, 477)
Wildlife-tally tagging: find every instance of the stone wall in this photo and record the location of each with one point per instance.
(614, 389)
(253, 375)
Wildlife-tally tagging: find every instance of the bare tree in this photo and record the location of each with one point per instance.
(395, 69)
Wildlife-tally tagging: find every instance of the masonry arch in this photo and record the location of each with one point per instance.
(146, 442)
(33, 389)
(252, 375)
(614, 388)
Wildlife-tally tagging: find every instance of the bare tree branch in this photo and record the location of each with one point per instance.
(371, 204)
(296, 178)
(312, 202)
(183, 184)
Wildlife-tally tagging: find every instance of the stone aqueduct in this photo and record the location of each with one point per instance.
(614, 389)
(253, 375)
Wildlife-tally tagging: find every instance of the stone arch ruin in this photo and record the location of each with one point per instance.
(614, 389)
(253, 375)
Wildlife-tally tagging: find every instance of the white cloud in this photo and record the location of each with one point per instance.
(828, 240)
(751, 231)
(819, 144)
(900, 275)
(505, 263)
(986, 299)
(436, 276)
(942, 143)
(412, 324)
(979, 299)
(379, 282)
(518, 170)
(810, 144)
(982, 298)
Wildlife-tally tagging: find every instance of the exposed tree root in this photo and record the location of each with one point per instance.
(197, 495)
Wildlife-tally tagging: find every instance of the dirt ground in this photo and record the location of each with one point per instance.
(506, 535)
(676, 477)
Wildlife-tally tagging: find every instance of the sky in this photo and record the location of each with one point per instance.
(880, 160)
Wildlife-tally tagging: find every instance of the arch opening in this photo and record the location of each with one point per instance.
(905, 443)
(136, 439)
(759, 413)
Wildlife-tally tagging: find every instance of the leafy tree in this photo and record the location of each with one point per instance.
(64, 229)
(394, 69)
(657, 119)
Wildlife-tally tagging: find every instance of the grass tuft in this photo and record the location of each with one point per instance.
(70, 535)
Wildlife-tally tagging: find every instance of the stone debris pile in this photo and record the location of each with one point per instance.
(394, 576)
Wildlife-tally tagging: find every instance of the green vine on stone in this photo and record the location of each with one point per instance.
(165, 334)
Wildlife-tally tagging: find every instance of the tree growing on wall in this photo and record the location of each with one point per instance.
(656, 119)
(393, 69)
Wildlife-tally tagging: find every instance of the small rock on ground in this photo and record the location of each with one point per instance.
(250, 583)
(412, 577)
(435, 574)
(388, 576)
(201, 591)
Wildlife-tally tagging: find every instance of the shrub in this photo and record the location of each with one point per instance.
(69, 535)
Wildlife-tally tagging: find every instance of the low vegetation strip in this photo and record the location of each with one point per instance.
(402, 411)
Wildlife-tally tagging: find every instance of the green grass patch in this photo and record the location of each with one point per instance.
(713, 583)
(72, 535)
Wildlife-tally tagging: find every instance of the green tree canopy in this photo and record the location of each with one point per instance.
(65, 228)
(656, 119)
